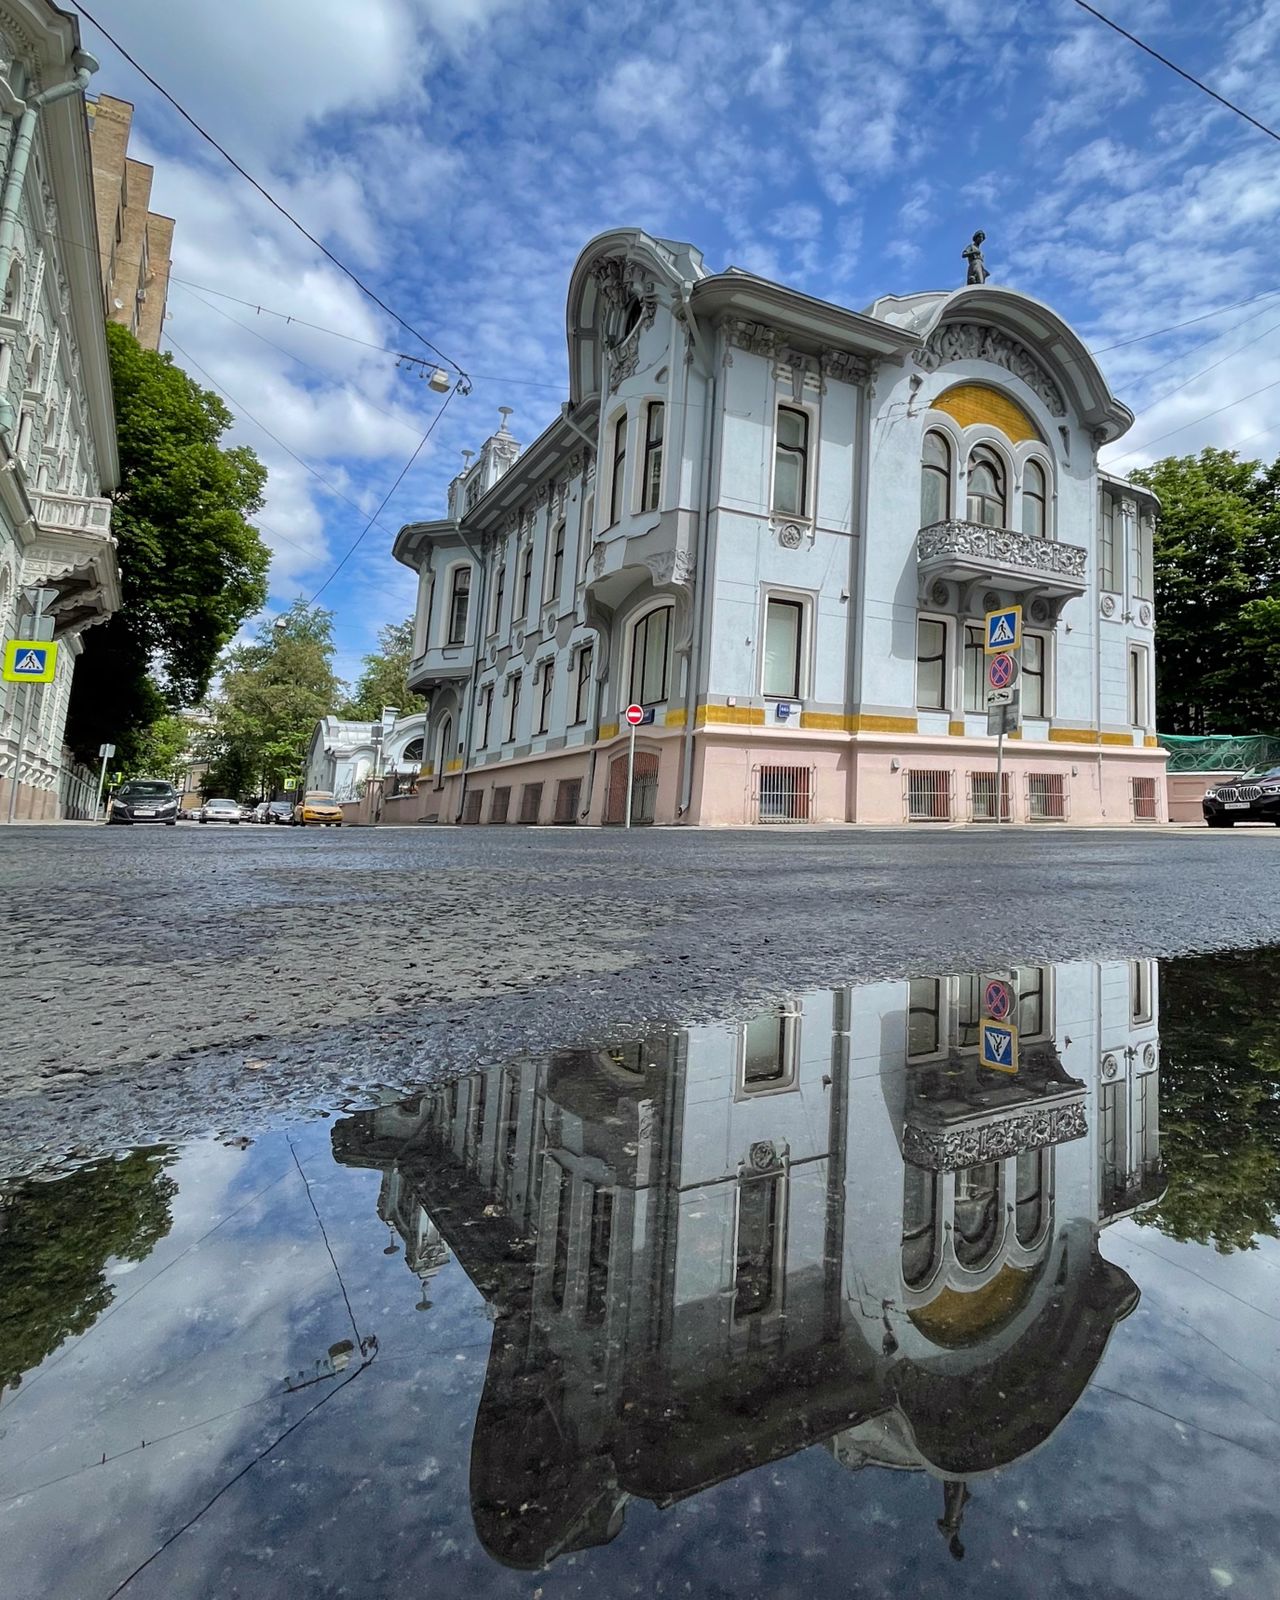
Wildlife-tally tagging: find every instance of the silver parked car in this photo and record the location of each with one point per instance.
(220, 811)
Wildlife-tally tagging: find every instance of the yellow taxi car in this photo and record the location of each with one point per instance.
(317, 807)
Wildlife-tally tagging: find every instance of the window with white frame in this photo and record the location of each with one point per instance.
(526, 579)
(986, 497)
(791, 462)
(655, 422)
(1109, 546)
(547, 684)
(1143, 559)
(499, 593)
(924, 1018)
(931, 664)
(582, 684)
(935, 479)
(555, 567)
(975, 666)
(783, 648)
(769, 1051)
(650, 657)
(1137, 686)
(1035, 501)
(617, 486)
(919, 1223)
(486, 714)
(1034, 681)
(1140, 986)
(459, 600)
(513, 704)
(444, 750)
(758, 1238)
(588, 531)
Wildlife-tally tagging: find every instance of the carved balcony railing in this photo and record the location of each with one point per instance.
(72, 513)
(970, 553)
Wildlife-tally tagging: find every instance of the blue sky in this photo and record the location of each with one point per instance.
(459, 153)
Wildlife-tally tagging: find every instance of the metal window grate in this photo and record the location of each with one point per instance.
(1046, 797)
(568, 798)
(530, 802)
(471, 806)
(783, 794)
(982, 797)
(500, 804)
(1143, 793)
(928, 795)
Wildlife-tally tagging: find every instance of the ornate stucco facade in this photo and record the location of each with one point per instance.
(57, 428)
(715, 1246)
(776, 524)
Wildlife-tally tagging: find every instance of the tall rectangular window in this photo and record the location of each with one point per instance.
(582, 687)
(555, 567)
(617, 504)
(1109, 546)
(1137, 687)
(649, 657)
(924, 1017)
(791, 462)
(769, 1045)
(1144, 579)
(526, 578)
(601, 1239)
(783, 630)
(544, 701)
(459, 599)
(513, 709)
(654, 423)
(1035, 700)
(486, 714)
(1140, 991)
(931, 664)
(499, 590)
(975, 667)
(757, 1249)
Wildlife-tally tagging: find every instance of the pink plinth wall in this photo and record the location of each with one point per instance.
(34, 805)
(1186, 791)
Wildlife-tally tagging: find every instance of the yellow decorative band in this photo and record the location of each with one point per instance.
(608, 730)
(1073, 736)
(454, 766)
(731, 716)
(827, 721)
(676, 717)
(1125, 739)
(956, 730)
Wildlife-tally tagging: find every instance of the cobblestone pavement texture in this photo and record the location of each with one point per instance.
(164, 982)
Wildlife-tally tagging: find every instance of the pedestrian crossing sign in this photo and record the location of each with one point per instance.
(30, 661)
(999, 1046)
(1004, 629)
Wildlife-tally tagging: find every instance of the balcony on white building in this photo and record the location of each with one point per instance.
(449, 663)
(1014, 563)
(74, 552)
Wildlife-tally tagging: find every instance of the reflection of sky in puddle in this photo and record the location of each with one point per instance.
(813, 1304)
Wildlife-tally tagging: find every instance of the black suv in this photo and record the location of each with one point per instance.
(1253, 798)
(144, 800)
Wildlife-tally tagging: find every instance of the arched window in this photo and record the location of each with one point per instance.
(919, 1201)
(1035, 501)
(13, 291)
(986, 500)
(411, 755)
(1029, 1213)
(650, 653)
(617, 502)
(935, 480)
(977, 1213)
(35, 366)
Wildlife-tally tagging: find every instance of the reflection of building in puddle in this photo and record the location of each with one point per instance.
(830, 1225)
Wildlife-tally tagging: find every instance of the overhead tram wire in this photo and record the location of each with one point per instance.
(272, 201)
(1182, 73)
(400, 477)
(1182, 426)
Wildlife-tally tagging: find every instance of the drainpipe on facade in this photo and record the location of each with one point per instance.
(854, 630)
(701, 598)
(1098, 620)
(11, 201)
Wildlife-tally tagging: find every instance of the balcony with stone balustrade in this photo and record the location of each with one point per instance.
(999, 560)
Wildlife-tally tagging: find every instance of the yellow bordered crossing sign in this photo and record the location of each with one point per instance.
(999, 1045)
(1004, 629)
(30, 661)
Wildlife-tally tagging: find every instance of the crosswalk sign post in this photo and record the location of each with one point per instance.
(30, 661)
(998, 1050)
(1003, 645)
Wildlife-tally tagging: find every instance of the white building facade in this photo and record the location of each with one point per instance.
(776, 525)
(57, 428)
(712, 1247)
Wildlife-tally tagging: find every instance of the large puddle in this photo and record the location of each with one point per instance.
(818, 1305)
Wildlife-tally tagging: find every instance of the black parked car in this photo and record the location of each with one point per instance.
(144, 800)
(1253, 798)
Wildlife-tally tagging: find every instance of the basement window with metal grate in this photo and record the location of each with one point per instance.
(1046, 797)
(471, 806)
(568, 798)
(500, 804)
(530, 802)
(1143, 791)
(928, 795)
(784, 794)
(982, 797)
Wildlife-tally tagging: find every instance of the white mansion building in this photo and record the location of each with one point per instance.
(776, 525)
(57, 423)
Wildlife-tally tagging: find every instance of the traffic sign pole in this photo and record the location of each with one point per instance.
(631, 773)
(106, 751)
(16, 775)
(42, 629)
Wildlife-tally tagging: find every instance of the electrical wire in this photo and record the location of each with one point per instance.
(1138, 338)
(269, 197)
(1182, 426)
(1174, 67)
(400, 477)
(1152, 404)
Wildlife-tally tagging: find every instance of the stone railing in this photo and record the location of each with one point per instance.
(72, 512)
(1002, 548)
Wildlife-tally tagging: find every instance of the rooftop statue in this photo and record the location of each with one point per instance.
(972, 253)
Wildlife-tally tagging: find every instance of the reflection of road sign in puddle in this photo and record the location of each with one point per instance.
(997, 1000)
(1000, 672)
(999, 1049)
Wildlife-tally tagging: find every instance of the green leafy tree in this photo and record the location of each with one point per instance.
(1217, 569)
(192, 565)
(158, 748)
(55, 1242)
(274, 691)
(383, 681)
(1220, 1100)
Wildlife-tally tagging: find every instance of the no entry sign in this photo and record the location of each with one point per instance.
(635, 715)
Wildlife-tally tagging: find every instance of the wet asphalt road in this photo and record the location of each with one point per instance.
(167, 981)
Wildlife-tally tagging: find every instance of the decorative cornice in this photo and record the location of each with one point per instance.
(843, 366)
(756, 337)
(672, 568)
(975, 341)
